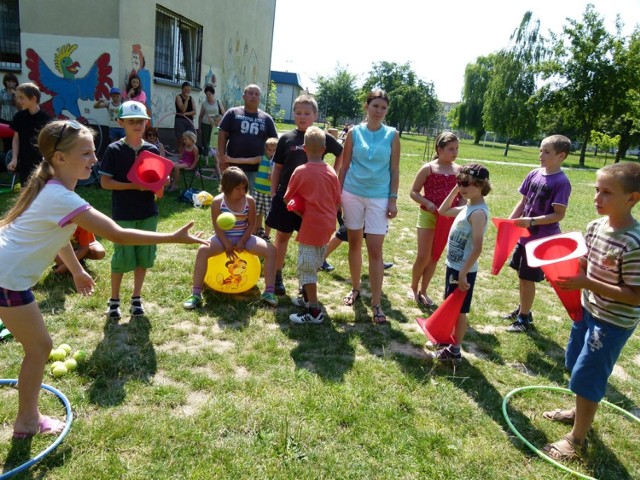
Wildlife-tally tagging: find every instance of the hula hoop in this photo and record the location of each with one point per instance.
(539, 452)
(58, 441)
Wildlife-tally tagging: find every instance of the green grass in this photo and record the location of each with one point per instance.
(234, 391)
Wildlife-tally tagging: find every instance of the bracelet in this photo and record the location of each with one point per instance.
(393, 195)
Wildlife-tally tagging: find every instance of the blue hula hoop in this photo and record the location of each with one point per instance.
(539, 452)
(67, 406)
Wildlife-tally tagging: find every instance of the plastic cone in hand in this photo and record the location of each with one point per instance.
(6, 131)
(506, 238)
(150, 171)
(441, 235)
(440, 326)
(559, 256)
(296, 204)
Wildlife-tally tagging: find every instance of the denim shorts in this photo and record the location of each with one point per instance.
(592, 351)
(13, 298)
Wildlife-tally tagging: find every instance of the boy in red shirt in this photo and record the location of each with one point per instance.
(315, 189)
(85, 245)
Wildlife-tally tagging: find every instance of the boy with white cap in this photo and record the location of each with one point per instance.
(132, 205)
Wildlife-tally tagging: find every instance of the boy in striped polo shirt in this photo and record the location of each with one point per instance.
(610, 279)
(262, 188)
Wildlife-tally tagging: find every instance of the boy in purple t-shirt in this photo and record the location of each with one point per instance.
(545, 197)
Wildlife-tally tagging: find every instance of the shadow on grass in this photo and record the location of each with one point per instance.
(21, 452)
(125, 353)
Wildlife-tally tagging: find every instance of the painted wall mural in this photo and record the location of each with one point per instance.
(67, 87)
(138, 67)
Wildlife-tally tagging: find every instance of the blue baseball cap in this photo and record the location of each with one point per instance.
(114, 91)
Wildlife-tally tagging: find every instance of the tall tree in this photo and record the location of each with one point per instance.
(581, 73)
(337, 96)
(467, 115)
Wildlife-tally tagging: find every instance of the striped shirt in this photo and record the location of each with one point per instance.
(263, 182)
(613, 257)
(241, 220)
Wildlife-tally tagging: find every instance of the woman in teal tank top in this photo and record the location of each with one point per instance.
(370, 177)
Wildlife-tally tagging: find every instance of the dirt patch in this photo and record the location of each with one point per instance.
(206, 371)
(636, 359)
(241, 373)
(471, 349)
(195, 343)
(407, 349)
(521, 367)
(195, 401)
(620, 373)
(162, 380)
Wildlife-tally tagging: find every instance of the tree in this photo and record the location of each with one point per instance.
(468, 114)
(337, 96)
(581, 73)
(277, 115)
(413, 101)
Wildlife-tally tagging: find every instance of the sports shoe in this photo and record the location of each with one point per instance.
(513, 315)
(327, 267)
(279, 285)
(436, 346)
(192, 302)
(270, 299)
(446, 355)
(113, 313)
(136, 308)
(307, 317)
(387, 265)
(300, 302)
(522, 324)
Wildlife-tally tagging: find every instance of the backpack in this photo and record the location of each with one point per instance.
(186, 196)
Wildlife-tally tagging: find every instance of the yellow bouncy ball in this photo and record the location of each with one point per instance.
(232, 276)
(226, 220)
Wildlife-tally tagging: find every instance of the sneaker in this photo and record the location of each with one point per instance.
(300, 302)
(307, 317)
(327, 267)
(270, 299)
(113, 313)
(136, 308)
(279, 286)
(446, 355)
(387, 265)
(436, 346)
(513, 315)
(522, 324)
(192, 302)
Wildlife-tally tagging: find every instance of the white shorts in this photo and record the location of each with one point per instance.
(368, 213)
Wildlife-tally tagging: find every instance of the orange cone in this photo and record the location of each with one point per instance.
(150, 171)
(441, 235)
(559, 256)
(440, 326)
(506, 238)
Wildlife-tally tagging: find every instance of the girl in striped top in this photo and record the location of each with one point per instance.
(234, 198)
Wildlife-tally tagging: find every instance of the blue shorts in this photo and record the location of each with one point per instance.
(451, 283)
(525, 272)
(593, 349)
(13, 298)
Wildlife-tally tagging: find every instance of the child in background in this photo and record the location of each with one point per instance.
(27, 123)
(40, 224)
(263, 188)
(437, 178)
(464, 245)
(317, 184)
(234, 198)
(84, 246)
(116, 132)
(132, 206)
(151, 136)
(135, 91)
(545, 197)
(610, 279)
(290, 155)
(188, 158)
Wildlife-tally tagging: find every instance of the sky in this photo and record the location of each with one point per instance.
(438, 39)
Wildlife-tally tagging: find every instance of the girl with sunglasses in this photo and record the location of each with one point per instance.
(464, 245)
(436, 178)
(38, 227)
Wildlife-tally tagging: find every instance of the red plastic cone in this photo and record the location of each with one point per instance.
(441, 235)
(440, 326)
(506, 238)
(559, 256)
(6, 131)
(150, 171)
(296, 204)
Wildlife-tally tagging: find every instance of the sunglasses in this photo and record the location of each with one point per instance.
(465, 183)
(72, 124)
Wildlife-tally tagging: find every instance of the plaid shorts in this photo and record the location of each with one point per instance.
(13, 298)
(263, 203)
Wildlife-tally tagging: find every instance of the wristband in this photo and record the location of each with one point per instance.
(393, 195)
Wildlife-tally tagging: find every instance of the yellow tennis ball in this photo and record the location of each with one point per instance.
(226, 220)
(70, 364)
(59, 371)
(66, 347)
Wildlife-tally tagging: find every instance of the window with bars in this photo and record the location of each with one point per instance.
(178, 53)
(10, 58)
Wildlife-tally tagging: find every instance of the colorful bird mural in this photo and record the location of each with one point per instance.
(67, 90)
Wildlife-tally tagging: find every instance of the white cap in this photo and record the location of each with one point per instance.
(133, 109)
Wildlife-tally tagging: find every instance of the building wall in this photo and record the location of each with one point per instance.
(236, 48)
(285, 99)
